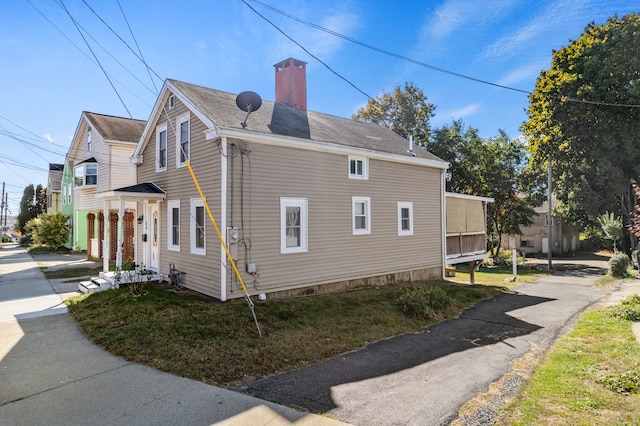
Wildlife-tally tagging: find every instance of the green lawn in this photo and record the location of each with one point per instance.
(218, 343)
(591, 376)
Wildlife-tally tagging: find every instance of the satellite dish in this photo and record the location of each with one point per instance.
(248, 102)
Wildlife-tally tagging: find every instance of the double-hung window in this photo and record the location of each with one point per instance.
(161, 148)
(361, 214)
(358, 168)
(183, 136)
(294, 219)
(405, 218)
(198, 230)
(173, 216)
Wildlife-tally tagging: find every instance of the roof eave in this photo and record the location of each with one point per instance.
(329, 147)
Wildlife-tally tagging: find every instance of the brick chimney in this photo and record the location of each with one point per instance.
(291, 83)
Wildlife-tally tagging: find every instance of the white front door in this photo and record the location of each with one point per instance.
(153, 237)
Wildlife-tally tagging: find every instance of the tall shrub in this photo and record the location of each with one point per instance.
(51, 230)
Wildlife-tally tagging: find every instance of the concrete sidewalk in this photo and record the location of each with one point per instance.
(50, 374)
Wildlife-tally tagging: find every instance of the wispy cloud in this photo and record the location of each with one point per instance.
(541, 25)
(253, 40)
(463, 112)
(524, 73)
(454, 15)
(48, 137)
(323, 44)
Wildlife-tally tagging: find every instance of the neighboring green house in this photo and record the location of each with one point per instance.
(67, 204)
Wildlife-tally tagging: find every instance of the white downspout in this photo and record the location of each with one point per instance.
(443, 203)
(223, 219)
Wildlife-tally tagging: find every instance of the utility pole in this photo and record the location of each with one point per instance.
(2, 203)
(549, 227)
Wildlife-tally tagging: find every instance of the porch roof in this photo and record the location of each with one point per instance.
(142, 191)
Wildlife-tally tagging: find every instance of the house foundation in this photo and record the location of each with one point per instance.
(399, 278)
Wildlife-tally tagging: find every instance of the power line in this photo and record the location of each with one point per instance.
(96, 58)
(5, 132)
(138, 47)
(121, 39)
(89, 57)
(433, 67)
(309, 53)
(39, 138)
(18, 163)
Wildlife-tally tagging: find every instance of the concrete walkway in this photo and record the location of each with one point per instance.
(50, 374)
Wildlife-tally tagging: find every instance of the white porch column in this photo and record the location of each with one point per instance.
(120, 234)
(105, 243)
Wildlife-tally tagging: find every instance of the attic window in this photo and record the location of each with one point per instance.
(172, 101)
(358, 168)
(89, 139)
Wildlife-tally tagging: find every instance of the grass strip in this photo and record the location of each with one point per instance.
(70, 272)
(217, 343)
(587, 378)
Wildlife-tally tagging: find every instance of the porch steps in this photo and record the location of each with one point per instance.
(107, 281)
(96, 284)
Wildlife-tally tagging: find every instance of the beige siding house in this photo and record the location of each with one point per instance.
(100, 157)
(305, 202)
(534, 239)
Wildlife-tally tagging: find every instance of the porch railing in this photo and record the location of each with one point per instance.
(466, 244)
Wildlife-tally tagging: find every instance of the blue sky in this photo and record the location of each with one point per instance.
(48, 74)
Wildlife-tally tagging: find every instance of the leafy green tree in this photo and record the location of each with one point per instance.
(583, 114)
(486, 167)
(612, 227)
(462, 149)
(406, 111)
(51, 230)
(32, 204)
(26, 207)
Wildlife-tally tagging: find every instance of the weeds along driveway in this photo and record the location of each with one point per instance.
(423, 378)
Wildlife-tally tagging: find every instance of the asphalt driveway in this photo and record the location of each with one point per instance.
(423, 378)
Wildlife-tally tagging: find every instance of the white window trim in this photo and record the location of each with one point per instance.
(546, 220)
(197, 202)
(173, 204)
(181, 119)
(367, 212)
(159, 129)
(302, 203)
(405, 205)
(84, 175)
(89, 139)
(365, 168)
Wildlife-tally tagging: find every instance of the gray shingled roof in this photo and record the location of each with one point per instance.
(279, 119)
(116, 128)
(143, 188)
